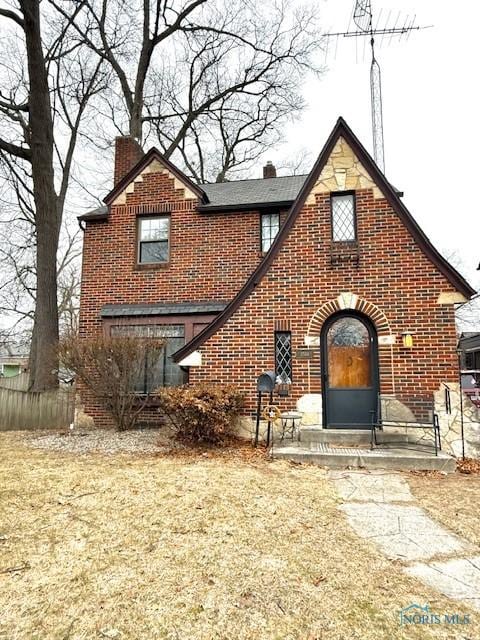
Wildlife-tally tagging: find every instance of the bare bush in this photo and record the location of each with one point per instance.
(111, 368)
(201, 413)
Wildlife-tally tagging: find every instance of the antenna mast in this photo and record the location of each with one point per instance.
(363, 19)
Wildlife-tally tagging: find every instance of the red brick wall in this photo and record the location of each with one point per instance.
(127, 153)
(392, 273)
(211, 256)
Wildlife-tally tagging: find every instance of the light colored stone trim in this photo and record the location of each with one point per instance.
(343, 172)
(155, 166)
(451, 297)
(348, 300)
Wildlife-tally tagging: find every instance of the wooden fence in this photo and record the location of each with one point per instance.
(19, 382)
(36, 410)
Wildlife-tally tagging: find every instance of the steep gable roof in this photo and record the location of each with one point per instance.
(341, 130)
(142, 164)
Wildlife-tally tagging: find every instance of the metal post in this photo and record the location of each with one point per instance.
(257, 426)
(461, 404)
(269, 425)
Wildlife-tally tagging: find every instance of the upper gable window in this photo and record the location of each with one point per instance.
(343, 217)
(153, 240)
(270, 225)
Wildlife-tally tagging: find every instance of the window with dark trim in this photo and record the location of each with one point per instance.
(343, 217)
(269, 227)
(283, 357)
(153, 239)
(164, 372)
(470, 360)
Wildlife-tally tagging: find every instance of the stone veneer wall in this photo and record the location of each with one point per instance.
(450, 423)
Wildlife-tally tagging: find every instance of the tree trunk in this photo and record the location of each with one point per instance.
(43, 373)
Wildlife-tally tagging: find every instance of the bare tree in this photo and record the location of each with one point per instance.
(18, 277)
(47, 84)
(467, 314)
(214, 82)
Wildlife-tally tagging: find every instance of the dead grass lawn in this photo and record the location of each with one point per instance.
(453, 500)
(189, 548)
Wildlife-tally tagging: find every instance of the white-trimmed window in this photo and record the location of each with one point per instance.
(153, 239)
(270, 225)
(343, 217)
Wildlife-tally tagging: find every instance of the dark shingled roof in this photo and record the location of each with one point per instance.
(469, 341)
(238, 195)
(95, 214)
(161, 309)
(263, 191)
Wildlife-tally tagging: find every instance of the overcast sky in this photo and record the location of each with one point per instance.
(431, 113)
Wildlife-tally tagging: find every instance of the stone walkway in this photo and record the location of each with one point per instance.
(377, 508)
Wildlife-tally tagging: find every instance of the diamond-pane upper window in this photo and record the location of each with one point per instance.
(343, 217)
(283, 357)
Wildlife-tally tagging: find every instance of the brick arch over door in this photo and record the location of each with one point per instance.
(344, 302)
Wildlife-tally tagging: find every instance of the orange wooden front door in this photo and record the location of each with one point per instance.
(349, 363)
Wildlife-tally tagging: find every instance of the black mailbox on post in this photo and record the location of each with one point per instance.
(266, 382)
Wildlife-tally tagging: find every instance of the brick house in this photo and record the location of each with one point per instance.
(325, 278)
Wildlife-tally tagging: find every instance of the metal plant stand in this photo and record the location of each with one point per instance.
(289, 425)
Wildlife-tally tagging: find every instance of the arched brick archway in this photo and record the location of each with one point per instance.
(347, 301)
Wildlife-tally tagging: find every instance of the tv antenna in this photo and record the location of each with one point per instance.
(363, 19)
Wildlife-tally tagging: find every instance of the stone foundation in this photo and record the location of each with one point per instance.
(310, 406)
(81, 419)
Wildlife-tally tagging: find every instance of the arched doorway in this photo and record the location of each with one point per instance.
(349, 371)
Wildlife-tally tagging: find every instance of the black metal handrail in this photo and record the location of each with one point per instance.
(379, 424)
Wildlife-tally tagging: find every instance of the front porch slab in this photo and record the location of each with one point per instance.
(401, 459)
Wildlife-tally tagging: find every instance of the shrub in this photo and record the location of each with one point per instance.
(110, 368)
(201, 413)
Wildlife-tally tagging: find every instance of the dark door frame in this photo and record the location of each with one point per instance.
(347, 313)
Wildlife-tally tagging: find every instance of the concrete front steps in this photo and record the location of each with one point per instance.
(348, 437)
(344, 448)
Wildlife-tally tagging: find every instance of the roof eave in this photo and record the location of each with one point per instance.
(250, 206)
(91, 218)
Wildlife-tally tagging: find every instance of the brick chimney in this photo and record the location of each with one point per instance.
(127, 153)
(269, 170)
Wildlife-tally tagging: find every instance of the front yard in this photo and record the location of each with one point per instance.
(187, 547)
(452, 500)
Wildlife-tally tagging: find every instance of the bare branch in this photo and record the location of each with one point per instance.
(11, 15)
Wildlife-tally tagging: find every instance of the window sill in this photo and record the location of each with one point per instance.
(344, 251)
(344, 243)
(152, 401)
(156, 266)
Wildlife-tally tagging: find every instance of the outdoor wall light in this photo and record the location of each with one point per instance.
(407, 339)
